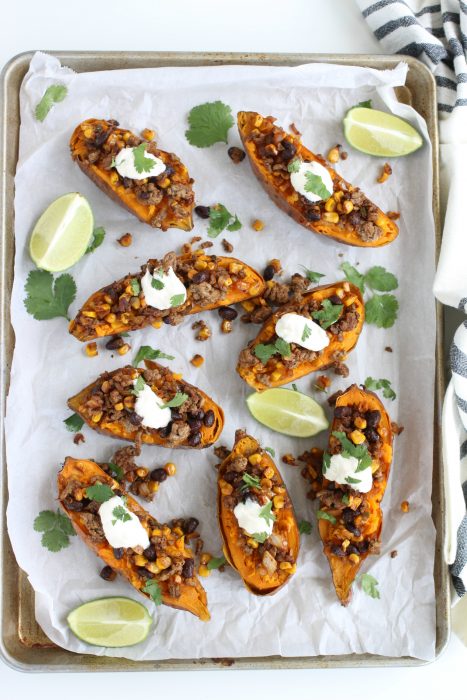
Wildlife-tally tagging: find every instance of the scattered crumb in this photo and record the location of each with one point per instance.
(396, 429)
(199, 546)
(195, 239)
(276, 265)
(289, 459)
(204, 332)
(341, 369)
(186, 249)
(394, 215)
(323, 383)
(91, 350)
(197, 360)
(294, 130)
(388, 348)
(257, 225)
(394, 553)
(206, 244)
(78, 438)
(405, 506)
(340, 255)
(221, 452)
(226, 326)
(148, 134)
(228, 247)
(236, 154)
(344, 155)
(125, 240)
(124, 349)
(385, 173)
(333, 153)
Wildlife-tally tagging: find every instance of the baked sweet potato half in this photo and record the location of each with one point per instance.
(163, 201)
(347, 215)
(342, 302)
(210, 281)
(248, 477)
(166, 561)
(350, 520)
(108, 406)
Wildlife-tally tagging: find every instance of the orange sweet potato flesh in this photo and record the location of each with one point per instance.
(100, 317)
(343, 569)
(162, 215)
(259, 376)
(249, 566)
(126, 431)
(84, 472)
(250, 124)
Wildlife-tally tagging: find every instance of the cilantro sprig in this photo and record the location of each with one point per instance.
(271, 451)
(146, 352)
(53, 95)
(120, 513)
(314, 183)
(142, 163)
(220, 218)
(260, 537)
(56, 528)
(294, 165)
(216, 563)
(264, 351)
(138, 386)
(267, 514)
(116, 471)
(384, 384)
(360, 452)
(313, 276)
(177, 400)
(177, 299)
(153, 590)
(304, 527)
(209, 123)
(328, 314)
(99, 493)
(74, 423)
(380, 309)
(97, 239)
(323, 515)
(135, 286)
(369, 585)
(47, 297)
(250, 481)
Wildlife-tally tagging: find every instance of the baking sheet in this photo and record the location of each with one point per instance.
(325, 628)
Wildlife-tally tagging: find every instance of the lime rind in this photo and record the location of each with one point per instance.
(288, 412)
(380, 134)
(123, 622)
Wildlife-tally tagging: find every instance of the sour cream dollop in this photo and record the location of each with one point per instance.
(248, 517)
(149, 407)
(125, 531)
(299, 180)
(125, 165)
(163, 290)
(342, 468)
(294, 328)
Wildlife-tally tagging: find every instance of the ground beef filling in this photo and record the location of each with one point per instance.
(349, 206)
(234, 489)
(152, 563)
(104, 145)
(112, 400)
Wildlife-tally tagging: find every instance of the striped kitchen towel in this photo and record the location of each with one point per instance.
(436, 33)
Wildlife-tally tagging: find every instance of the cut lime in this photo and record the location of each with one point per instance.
(379, 133)
(287, 411)
(110, 622)
(62, 233)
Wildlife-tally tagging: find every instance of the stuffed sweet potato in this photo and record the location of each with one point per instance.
(350, 516)
(163, 201)
(109, 405)
(166, 561)
(344, 213)
(263, 366)
(210, 281)
(248, 479)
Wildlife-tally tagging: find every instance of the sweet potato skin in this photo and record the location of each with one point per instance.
(192, 599)
(343, 569)
(285, 524)
(131, 320)
(283, 194)
(126, 198)
(324, 360)
(209, 435)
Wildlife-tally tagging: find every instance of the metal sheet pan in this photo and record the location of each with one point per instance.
(23, 645)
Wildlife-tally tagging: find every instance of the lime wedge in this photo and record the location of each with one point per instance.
(287, 411)
(62, 233)
(379, 133)
(110, 622)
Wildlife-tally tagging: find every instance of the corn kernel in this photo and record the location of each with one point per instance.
(266, 484)
(268, 473)
(275, 376)
(156, 324)
(257, 225)
(125, 318)
(278, 502)
(252, 543)
(177, 376)
(142, 472)
(285, 565)
(360, 423)
(354, 558)
(201, 265)
(248, 306)
(197, 360)
(333, 155)
(157, 532)
(136, 303)
(405, 506)
(153, 568)
(279, 489)
(163, 562)
(357, 437)
(140, 560)
(330, 204)
(178, 531)
(338, 195)
(148, 134)
(129, 401)
(118, 406)
(154, 486)
(204, 571)
(385, 173)
(89, 314)
(255, 458)
(125, 240)
(347, 206)
(226, 326)
(170, 468)
(88, 133)
(113, 178)
(165, 183)
(166, 531)
(124, 349)
(205, 557)
(91, 350)
(234, 268)
(345, 544)
(331, 216)
(350, 300)
(180, 543)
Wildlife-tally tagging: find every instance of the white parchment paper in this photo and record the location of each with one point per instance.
(49, 365)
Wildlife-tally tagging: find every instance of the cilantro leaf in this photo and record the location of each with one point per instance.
(146, 352)
(311, 275)
(177, 400)
(221, 218)
(177, 299)
(264, 351)
(74, 423)
(120, 513)
(326, 462)
(351, 480)
(366, 104)
(314, 183)
(384, 384)
(271, 451)
(97, 239)
(260, 537)
(304, 527)
(328, 314)
(56, 528)
(251, 481)
(380, 279)
(99, 493)
(157, 284)
(282, 347)
(267, 514)
(47, 298)
(209, 123)
(53, 94)
(153, 590)
(55, 540)
(345, 499)
(381, 310)
(322, 515)
(306, 332)
(116, 471)
(135, 286)
(138, 386)
(360, 452)
(353, 276)
(216, 563)
(369, 585)
(141, 162)
(294, 165)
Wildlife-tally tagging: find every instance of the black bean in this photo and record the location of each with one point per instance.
(158, 474)
(352, 549)
(108, 574)
(127, 182)
(150, 553)
(135, 419)
(371, 435)
(197, 414)
(165, 432)
(194, 439)
(144, 573)
(167, 320)
(228, 313)
(100, 138)
(236, 154)
(342, 411)
(195, 424)
(348, 516)
(201, 276)
(209, 418)
(230, 477)
(202, 212)
(118, 552)
(118, 492)
(312, 215)
(353, 529)
(268, 273)
(190, 525)
(363, 546)
(175, 415)
(373, 418)
(334, 299)
(73, 505)
(337, 551)
(115, 342)
(188, 568)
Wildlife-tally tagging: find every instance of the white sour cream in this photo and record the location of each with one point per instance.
(299, 180)
(119, 533)
(149, 406)
(342, 468)
(162, 298)
(125, 165)
(301, 330)
(248, 517)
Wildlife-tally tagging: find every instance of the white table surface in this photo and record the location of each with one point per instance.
(320, 26)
